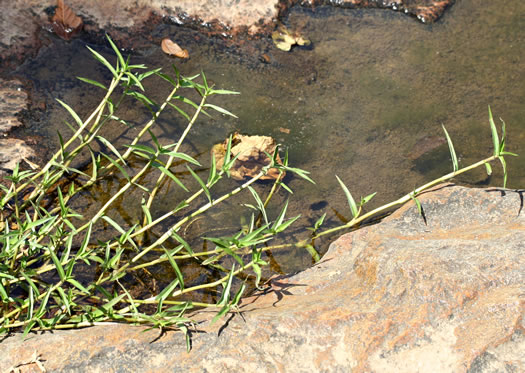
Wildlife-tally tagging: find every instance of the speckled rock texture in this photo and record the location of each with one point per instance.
(398, 296)
(13, 99)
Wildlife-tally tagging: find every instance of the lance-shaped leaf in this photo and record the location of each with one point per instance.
(451, 149)
(349, 198)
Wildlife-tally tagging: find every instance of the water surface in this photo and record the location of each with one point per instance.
(362, 102)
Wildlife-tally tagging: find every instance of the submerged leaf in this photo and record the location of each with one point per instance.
(252, 155)
(171, 48)
(65, 22)
(284, 39)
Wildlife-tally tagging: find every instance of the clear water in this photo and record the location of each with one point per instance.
(361, 103)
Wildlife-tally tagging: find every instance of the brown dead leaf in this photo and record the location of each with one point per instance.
(284, 39)
(252, 156)
(284, 130)
(171, 48)
(65, 22)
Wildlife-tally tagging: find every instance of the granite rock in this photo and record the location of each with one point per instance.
(404, 295)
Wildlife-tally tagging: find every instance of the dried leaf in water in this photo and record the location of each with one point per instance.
(66, 23)
(252, 156)
(284, 39)
(170, 47)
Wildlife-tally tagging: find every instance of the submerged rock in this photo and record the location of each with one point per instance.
(400, 296)
(424, 10)
(13, 99)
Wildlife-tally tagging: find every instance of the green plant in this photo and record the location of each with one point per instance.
(45, 245)
(356, 209)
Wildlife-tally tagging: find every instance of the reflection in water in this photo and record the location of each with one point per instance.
(366, 102)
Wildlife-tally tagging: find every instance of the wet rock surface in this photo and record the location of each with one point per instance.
(21, 21)
(398, 296)
(424, 10)
(13, 99)
(130, 23)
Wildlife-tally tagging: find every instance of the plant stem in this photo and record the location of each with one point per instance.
(355, 221)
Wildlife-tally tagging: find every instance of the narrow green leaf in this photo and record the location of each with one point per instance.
(225, 297)
(182, 156)
(495, 138)
(63, 208)
(224, 310)
(142, 98)
(65, 300)
(3, 294)
(280, 218)
(201, 183)
(118, 166)
(286, 224)
(30, 282)
(238, 295)
(504, 166)
(259, 202)
(451, 149)
(286, 187)
(489, 169)
(181, 112)
(168, 290)
(146, 211)
(58, 265)
(117, 52)
(176, 269)
(114, 224)
(319, 222)
(223, 92)
(186, 101)
(221, 110)
(349, 198)
(213, 177)
(136, 81)
(258, 274)
(71, 112)
(168, 173)
(144, 148)
(85, 241)
(367, 199)
(182, 242)
(205, 81)
(92, 82)
(107, 308)
(105, 62)
(167, 78)
(416, 201)
(111, 147)
(78, 285)
(301, 173)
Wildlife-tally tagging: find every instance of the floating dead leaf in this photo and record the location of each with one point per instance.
(284, 130)
(284, 39)
(171, 48)
(66, 23)
(252, 157)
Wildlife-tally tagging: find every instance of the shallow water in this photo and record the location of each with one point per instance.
(361, 103)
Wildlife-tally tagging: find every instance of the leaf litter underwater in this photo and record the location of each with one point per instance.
(365, 100)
